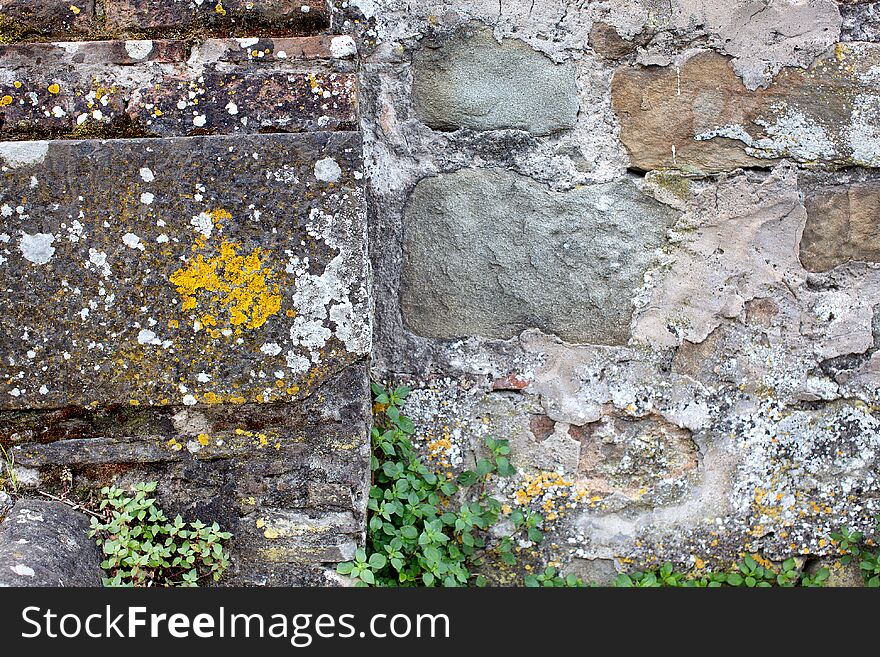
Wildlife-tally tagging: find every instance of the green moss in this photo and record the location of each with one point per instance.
(11, 31)
(673, 182)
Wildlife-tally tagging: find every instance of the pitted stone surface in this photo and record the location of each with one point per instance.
(474, 82)
(219, 15)
(698, 116)
(861, 20)
(154, 88)
(491, 253)
(184, 271)
(23, 19)
(843, 225)
(46, 544)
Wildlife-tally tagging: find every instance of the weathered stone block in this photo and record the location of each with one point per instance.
(154, 88)
(474, 82)
(701, 117)
(220, 15)
(25, 19)
(843, 224)
(181, 271)
(492, 253)
(46, 544)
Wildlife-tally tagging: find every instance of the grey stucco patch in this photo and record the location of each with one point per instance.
(492, 253)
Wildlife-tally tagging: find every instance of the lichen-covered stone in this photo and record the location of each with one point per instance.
(491, 253)
(46, 544)
(472, 81)
(154, 88)
(219, 15)
(211, 270)
(861, 20)
(24, 19)
(843, 225)
(698, 116)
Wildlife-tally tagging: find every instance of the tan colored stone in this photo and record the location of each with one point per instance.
(843, 224)
(701, 117)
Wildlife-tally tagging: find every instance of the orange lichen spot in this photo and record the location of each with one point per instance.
(241, 286)
(6, 100)
(54, 89)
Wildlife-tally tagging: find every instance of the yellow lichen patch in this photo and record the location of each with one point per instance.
(220, 9)
(204, 439)
(54, 89)
(6, 100)
(242, 287)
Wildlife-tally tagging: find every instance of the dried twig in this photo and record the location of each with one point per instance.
(72, 505)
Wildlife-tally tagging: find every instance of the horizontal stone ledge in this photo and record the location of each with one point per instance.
(35, 20)
(150, 16)
(161, 89)
(168, 448)
(206, 270)
(699, 116)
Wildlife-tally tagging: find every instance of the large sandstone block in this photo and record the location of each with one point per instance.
(492, 253)
(156, 88)
(472, 81)
(700, 116)
(180, 271)
(220, 15)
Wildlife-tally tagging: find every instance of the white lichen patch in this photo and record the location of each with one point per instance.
(139, 49)
(37, 248)
(18, 154)
(328, 170)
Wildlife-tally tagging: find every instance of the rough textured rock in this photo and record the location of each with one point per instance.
(472, 81)
(222, 15)
(23, 19)
(790, 32)
(158, 88)
(491, 253)
(45, 544)
(861, 20)
(698, 116)
(215, 270)
(843, 225)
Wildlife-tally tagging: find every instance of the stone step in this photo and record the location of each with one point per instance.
(180, 271)
(169, 88)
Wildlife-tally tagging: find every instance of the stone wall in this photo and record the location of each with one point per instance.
(637, 238)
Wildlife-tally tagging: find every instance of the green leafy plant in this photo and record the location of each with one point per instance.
(142, 547)
(747, 573)
(853, 544)
(426, 529)
(550, 577)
